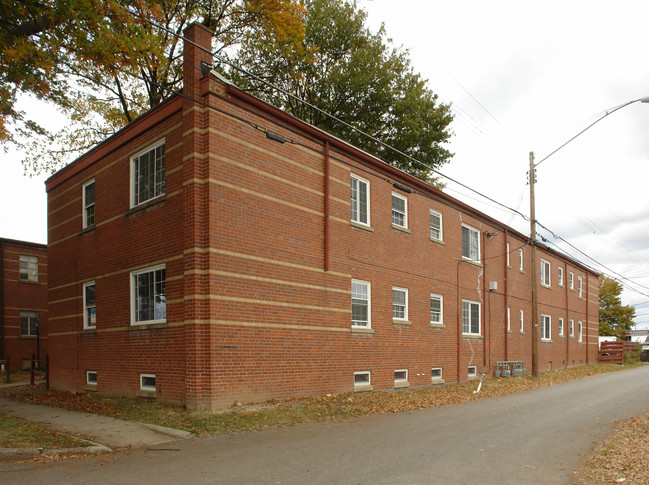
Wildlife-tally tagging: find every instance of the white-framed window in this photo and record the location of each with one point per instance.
(472, 371)
(148, 296)
(28, 268)
(522, 321)
(361, 307)
(91, 377)
(148, 174)
(560, 276)
(399, 303)
(436, 373)
(580, 287)
(89, 306)
(509, 319)
(561, 326)
(362, 378)
(470, 243)
(520, 259)
(508, 265)
(436, 225)
(546, 327)
(571, 280)
(360, 200)
(572, 327)
(436, 309)
(28, 324)
(580, 329)
(545, 273)
(147, 382)
(399, 210)
(88, 201)
(401, 376)
(470, 317)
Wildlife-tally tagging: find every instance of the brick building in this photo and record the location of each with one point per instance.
(23, 302)
(217, 250)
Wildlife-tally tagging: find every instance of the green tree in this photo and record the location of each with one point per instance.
(103, 63)
(359, 77)
(615, 319)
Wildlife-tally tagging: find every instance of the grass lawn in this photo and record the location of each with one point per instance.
(18, 433)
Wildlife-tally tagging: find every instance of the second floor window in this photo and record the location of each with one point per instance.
(89, 204)
(28, 268)
(399, 211)
(470, 243)
(435, 225)
(545, 273)
(148, 172)
(360, 200)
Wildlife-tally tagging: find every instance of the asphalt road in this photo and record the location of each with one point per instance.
(536, 437)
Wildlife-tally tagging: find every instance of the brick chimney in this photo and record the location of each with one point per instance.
(197, 48)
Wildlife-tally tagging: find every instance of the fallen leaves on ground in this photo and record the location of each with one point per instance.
(622, 457)
(324, 408)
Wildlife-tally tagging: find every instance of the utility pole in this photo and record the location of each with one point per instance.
(535, 281)
(535, 297)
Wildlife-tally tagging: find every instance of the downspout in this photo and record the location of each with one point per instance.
(565, 285)
(587, 325)
(484, 319)
(459, 320)
(507, 255)
(326, 206)
(2, 300)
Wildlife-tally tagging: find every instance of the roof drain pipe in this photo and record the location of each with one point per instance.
(326, 206)
(479, 385)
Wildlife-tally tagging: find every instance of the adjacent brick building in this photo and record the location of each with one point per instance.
(218, 250)
(23, 302)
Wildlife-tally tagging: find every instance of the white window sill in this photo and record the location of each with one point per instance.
(363, 330)
(437, 325)
(397, 321)
(472, 261)
(148, 326)
(472, 336)
(401, 228)
(360, 225)
(401, 384)
(438, 241)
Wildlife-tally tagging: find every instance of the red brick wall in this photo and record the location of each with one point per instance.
(252, 312)
(18, 296)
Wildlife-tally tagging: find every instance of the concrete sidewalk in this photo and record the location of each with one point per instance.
(108, 432)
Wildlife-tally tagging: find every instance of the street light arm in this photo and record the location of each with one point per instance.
(608, 112)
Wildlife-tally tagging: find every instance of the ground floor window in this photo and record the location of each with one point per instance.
(546, 327)
(28, 324)
(471, 317)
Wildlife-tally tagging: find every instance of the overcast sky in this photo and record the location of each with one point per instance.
(521, 77)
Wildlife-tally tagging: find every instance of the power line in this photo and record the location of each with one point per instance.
(222, 60)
